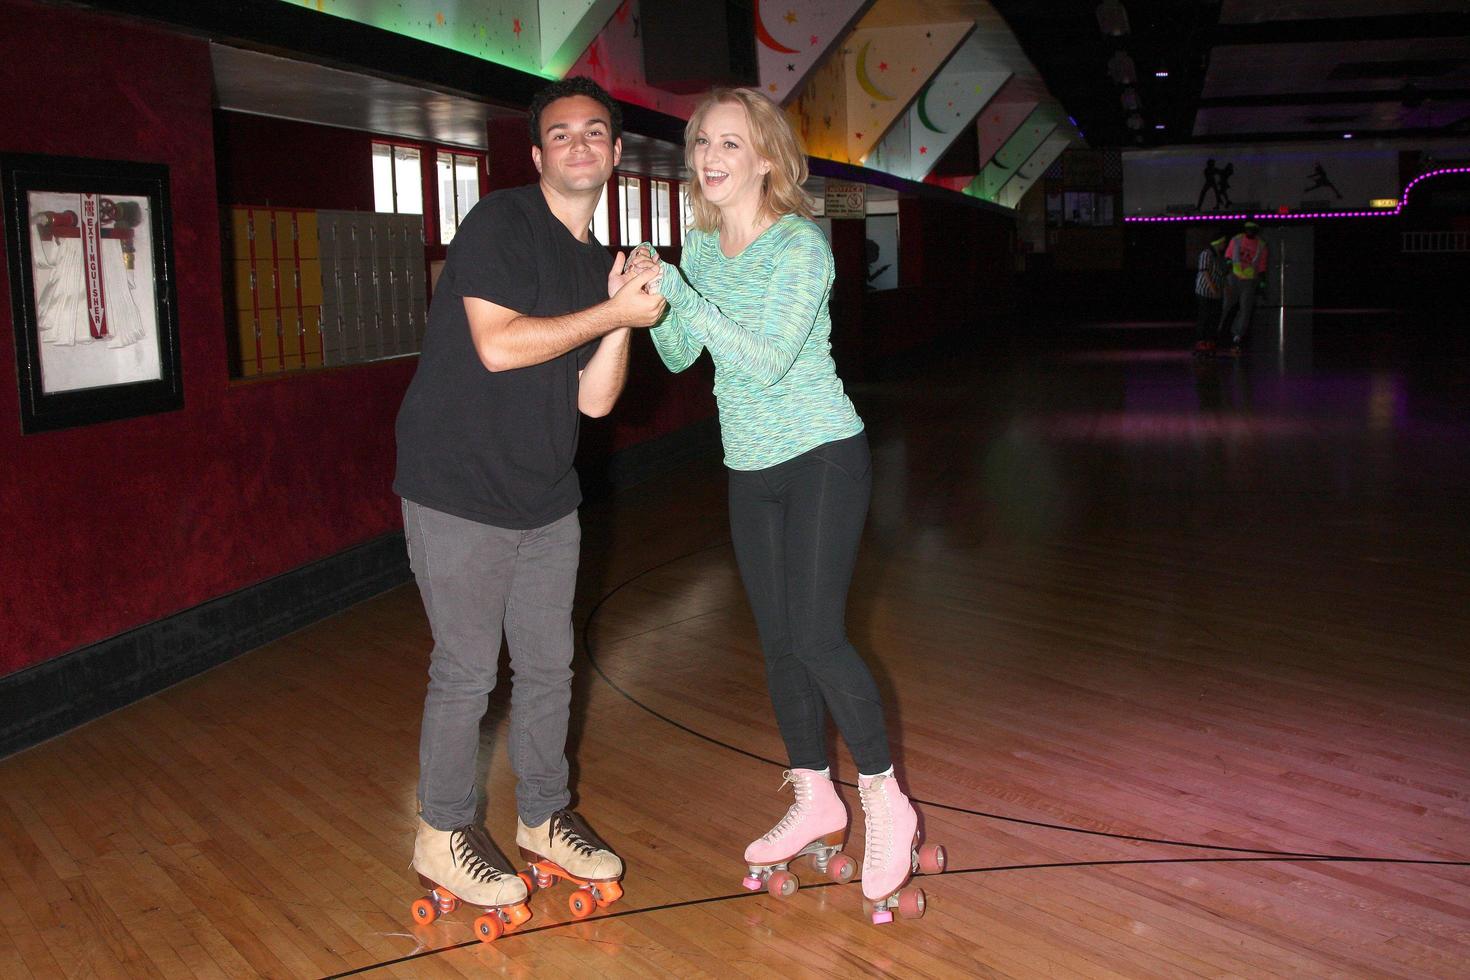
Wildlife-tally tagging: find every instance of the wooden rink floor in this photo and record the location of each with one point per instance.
(1174, 652)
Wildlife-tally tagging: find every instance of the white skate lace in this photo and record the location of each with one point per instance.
(878, 834)
(469, 853)
(803, 790)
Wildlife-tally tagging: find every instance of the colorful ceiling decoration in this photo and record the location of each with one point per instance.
(887, 68)
(793, 35)
(1002, 116)
(944, 109)
(1016, 151)
(1034, 168)
(887, 84)
(614, 60)
(568, 27)
(541, 37)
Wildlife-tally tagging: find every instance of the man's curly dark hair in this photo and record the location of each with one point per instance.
(576, 85)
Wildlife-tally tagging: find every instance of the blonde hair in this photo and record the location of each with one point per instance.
(773, 140)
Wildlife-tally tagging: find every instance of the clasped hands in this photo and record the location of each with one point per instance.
(632, 286)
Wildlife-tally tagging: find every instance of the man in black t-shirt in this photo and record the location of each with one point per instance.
(529, 327)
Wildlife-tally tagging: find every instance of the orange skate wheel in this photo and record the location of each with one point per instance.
(489, 927)
(932, 859)
(911, 903)
(425, 911)
(518, 915)
(841, 868)
(608, 892)
(581, 903)
(782, 884)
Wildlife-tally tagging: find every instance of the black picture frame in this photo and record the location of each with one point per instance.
(89, 249)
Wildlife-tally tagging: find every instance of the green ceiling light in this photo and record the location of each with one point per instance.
(509, 37)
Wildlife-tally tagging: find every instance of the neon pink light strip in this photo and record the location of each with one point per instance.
(1300, 216)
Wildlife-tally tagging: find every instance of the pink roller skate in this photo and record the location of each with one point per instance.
(892, 854)
(815, 826)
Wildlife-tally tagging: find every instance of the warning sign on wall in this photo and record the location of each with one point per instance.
(846, 199)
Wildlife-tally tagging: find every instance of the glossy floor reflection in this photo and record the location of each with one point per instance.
(1174, 653)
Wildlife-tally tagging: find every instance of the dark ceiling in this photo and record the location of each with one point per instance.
(1254, 70)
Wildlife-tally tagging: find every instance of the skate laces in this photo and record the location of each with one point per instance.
(575, 834)
(878, 830)
(803, 790)
(471, 851)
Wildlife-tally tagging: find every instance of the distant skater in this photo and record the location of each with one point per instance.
(1246, 256)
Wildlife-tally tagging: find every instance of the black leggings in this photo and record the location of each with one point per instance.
(796, 527)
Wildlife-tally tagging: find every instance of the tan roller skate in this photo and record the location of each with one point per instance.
(564, 847)
(464, 866)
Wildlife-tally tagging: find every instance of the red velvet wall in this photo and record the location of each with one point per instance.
(111, 526)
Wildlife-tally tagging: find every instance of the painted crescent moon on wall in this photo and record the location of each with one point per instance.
(923, 111)
(764, 36)
(862, 76)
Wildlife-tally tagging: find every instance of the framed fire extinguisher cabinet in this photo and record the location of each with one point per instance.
(93, 304)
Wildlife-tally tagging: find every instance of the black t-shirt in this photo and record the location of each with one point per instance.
(497, 447)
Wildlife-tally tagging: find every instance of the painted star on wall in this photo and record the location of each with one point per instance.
(791, 17)
(516, 27)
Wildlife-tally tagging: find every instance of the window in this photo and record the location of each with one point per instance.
(599, 218)
(630, 209)
(663, 232)
(397, 180)
(686, 210)
(458, 177)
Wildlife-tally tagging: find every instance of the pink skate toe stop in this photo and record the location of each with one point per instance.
(881, 916)
(753, 883)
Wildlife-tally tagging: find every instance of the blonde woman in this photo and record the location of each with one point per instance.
(756, 277)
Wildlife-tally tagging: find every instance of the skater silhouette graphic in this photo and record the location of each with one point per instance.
(1222, 186)
(1211, 184)
(1217, 181)
(1319, 179)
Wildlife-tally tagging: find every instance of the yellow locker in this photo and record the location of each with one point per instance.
(311, 282)
(270, 342)
(264, 239)
(286, 277)
(265, 283)
(244, 291)
(311, 338)
(240, 232)
(291, 340)
(249, 343)
(285, 233)
(306, 235)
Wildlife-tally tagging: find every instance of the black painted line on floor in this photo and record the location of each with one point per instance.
(952, 872)
(1261, 855)
(587, 647)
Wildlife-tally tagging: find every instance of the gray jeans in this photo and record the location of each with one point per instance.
(477, 581)
(1239, 293)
